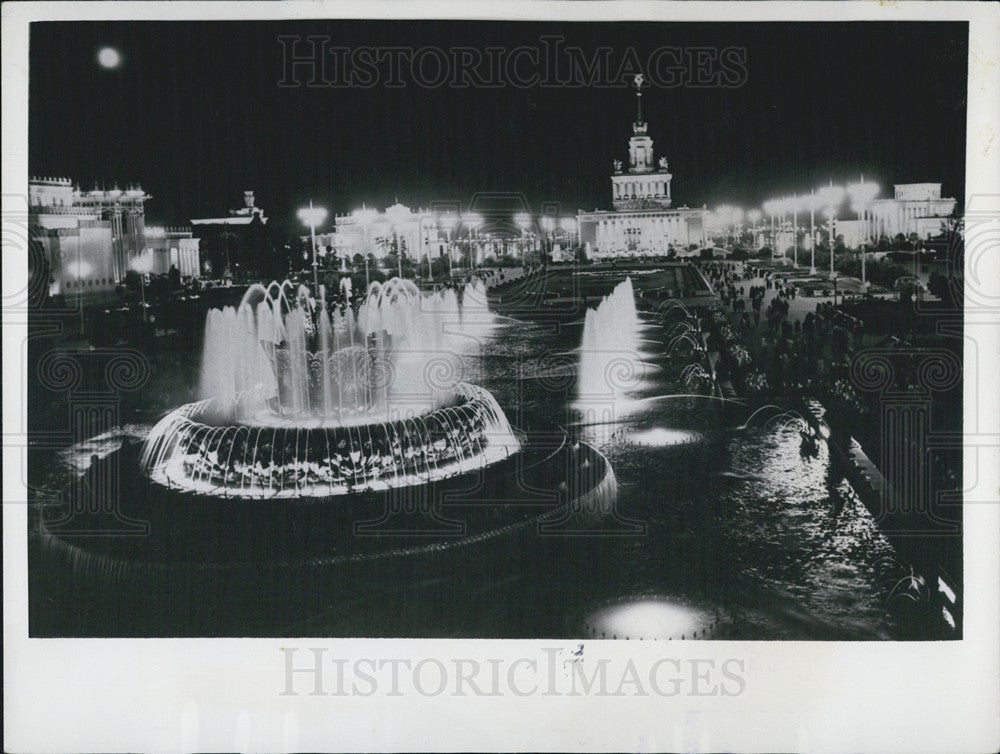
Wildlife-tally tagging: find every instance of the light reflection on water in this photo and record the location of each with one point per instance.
(743, 521)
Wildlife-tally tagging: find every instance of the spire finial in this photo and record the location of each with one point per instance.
(638, 95)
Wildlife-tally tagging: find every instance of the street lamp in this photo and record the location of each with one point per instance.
(831, 213)
(548, 225)
(769, 210)
(568, 225)
(365, 217)
(862, 194)
(83, 269)
(754, 216)
(472, 221)
(397, 214)
(523, 221)
(226, 235)
(789, 209)
(143, 264)
(794, 203)
(448, 222)
(313, 216)
(813, 204)
(831, 197)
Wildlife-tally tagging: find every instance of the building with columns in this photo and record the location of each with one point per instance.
(915, 208)
(172, 247)
(643, 221)
(88, 239)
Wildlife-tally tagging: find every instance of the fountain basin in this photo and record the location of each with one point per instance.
(211, 448)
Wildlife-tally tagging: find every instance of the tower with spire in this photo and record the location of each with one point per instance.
(646, 183)
(644, 221)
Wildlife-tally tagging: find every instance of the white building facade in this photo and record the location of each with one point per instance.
(172, 247)
(915, 208)
(89, 238)
(643, 221)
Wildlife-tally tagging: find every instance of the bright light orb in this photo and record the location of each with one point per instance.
(109, 57)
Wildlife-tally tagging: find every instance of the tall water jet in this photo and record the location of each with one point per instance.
(611, 361)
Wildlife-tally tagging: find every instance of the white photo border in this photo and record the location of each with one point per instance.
(116, 695)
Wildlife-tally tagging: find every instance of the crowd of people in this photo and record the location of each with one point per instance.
(772, 357)
(781, 354)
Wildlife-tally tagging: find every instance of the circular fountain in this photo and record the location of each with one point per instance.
(204, 448)
(327, 438)
(301, 404)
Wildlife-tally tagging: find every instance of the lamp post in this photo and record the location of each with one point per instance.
(142, 265)
(83, 269)
(313, 216)
(768, 207)
(736, 215)
(568, 225)
(754, 217)
(778, 208)
(523, 221)
(448, 222)
(831, 198)
(812, 231)
(795, 230)
(226, 235)
(399, 252)
(364, 217)
(862, 194)
(548, 225)
(472, 221)
(397, 214)
(831, 212)
(720, 220)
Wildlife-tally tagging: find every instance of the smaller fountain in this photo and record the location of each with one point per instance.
(611, 362)
(685, 337)
(694, 374)
(683, 327)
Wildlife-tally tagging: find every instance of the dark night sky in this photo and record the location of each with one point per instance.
(195, 115)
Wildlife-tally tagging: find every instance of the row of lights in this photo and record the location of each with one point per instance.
(313, 217)
(830, 199)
